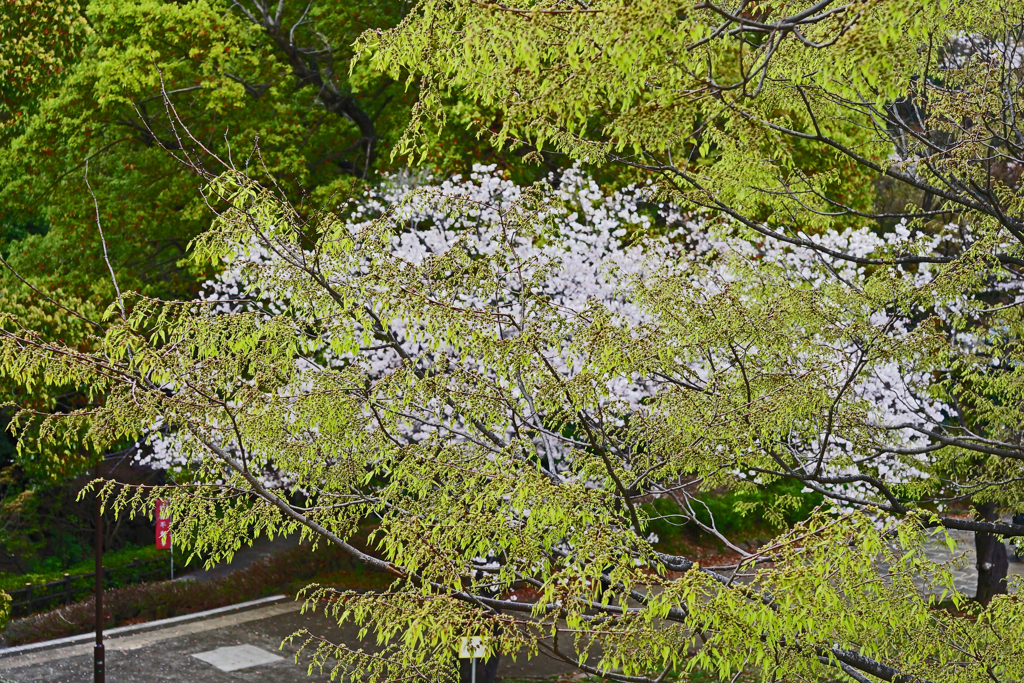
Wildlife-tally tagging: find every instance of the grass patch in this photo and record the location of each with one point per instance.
(112, 560)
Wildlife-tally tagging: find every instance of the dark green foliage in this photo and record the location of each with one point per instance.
(49, 569)
(738, 514)
(47, 530)
(16, 226)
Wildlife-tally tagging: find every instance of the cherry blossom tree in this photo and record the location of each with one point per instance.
(500, 376)
(733, 106)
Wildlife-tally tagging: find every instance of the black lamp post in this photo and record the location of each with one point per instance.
(99, 658)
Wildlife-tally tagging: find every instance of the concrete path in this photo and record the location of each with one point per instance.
(243, 646)
(964, 570)
(246, 556)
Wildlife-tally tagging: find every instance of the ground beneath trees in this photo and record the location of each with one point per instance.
(169, 654)
(248, 643)
(965, 571)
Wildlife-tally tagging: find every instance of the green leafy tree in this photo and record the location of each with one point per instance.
(501, 436)
(232, 73)
(86, 135)
(504, 435)
(721, 103)
(103, 89)
(93, 100)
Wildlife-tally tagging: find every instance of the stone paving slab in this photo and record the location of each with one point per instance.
(233, 658)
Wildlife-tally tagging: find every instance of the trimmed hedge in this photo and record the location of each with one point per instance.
(284, 572)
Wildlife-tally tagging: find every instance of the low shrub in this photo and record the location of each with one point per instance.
(745, 514)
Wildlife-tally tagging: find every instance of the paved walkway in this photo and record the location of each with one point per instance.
(245, 557)
(246, 645)
(965, 570)
(243, 646)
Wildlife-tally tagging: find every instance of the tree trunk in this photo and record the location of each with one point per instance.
(993, 563)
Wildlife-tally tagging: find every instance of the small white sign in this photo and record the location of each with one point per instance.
(472, 648)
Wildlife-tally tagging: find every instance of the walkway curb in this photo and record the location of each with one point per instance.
(135, 628)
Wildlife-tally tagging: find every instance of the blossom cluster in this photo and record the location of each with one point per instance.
(602, 247)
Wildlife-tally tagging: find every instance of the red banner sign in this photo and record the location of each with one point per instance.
(163, 525)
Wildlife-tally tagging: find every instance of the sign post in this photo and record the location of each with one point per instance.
(99, 663)
(163, 530)
(472, 648)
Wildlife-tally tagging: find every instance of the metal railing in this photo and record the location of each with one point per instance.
(44, 596)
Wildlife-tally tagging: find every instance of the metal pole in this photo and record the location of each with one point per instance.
(472, 670)
(99, 660)
(170, 536)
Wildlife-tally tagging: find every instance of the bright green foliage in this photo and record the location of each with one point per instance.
(749, 364)
(229, 84)
(5, 608)
(756, 513)
(772, 111)
(40, 38)
(96, 75)
(487, 361)
(736, 106)
(57, 316)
